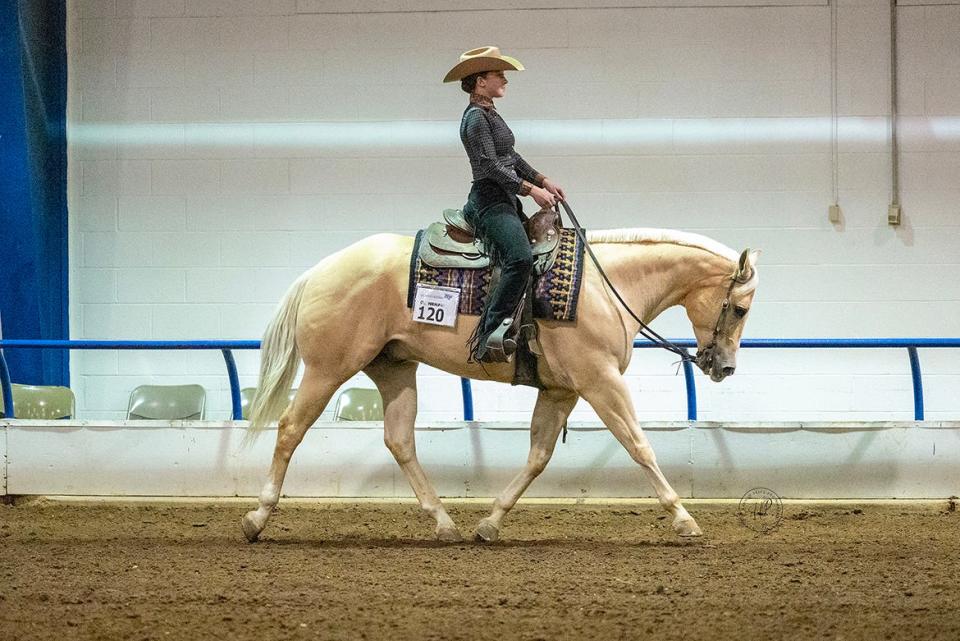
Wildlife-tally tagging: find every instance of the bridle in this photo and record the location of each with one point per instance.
(704, 357)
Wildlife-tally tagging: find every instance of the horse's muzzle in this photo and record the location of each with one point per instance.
(707, 362)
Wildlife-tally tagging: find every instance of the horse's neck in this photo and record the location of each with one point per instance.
(654, 277)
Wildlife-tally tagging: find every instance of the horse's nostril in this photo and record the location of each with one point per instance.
(728, 371)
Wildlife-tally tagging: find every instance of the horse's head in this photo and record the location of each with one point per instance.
(718, 311)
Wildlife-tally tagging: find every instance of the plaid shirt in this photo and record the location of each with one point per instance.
(489, 145)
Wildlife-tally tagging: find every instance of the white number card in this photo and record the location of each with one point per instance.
(436, 305)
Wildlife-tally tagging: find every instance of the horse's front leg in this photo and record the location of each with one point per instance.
(551, 412)
(397, 382)
(610, 399)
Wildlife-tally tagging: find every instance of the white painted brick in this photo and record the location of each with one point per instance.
(171, 363)
(152, 213)
(278, 68)
(942, 96)
(183, 104)
(261, 33)
(116, 106)
(233, 285)
(184, 322)
(151, 141)
(219, 68)
(308, 249)
(115, 249)
(269, 249)
(255, 103)
(150, 8)
(150, 69)
(865, 171)
(151, 285)
(398, 176)
(927, 171)
(246, 322)
(95, 213)
(180, 249)
(225, 212)
(96, 70)
(115, 322)
(713, 120)
(115, 36)
(96, 8)
(328, 176)
(323, 31)
(95, 361)
(218, 141)
(180, 34)
(100, 177)
(240, 7)
(933, 208)
(255, 177)
(96, 286)
(175, 177)
(324, 102)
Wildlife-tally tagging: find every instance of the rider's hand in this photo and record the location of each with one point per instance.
(543, 197)
(554, 189)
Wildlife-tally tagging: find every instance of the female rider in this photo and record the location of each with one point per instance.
(500, 174)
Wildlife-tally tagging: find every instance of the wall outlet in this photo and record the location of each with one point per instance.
(893, 215)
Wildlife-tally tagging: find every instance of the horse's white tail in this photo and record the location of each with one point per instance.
(279, 360)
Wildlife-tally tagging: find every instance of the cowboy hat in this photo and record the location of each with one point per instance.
(482, 59)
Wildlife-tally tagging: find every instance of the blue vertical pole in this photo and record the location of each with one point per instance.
(234, 384)
(7, 390)
(917, 384)
(691, 391)
(467, 392)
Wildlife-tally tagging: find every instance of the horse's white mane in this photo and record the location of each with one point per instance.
(672, 236)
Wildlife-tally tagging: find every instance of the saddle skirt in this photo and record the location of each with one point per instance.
(440, 258)
(453, 242)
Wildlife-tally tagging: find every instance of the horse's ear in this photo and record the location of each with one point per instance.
(748, 262)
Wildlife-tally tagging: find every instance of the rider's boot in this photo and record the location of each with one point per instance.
(499, 347)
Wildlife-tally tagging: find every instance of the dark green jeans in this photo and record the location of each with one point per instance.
(498, 219)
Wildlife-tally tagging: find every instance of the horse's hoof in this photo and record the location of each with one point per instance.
(687, 527)
(487, 532)
(449, 535)
(250, 528)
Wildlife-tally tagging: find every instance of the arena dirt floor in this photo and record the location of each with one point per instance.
(365, 570)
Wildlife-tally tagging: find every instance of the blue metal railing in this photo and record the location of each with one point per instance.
(225, 347)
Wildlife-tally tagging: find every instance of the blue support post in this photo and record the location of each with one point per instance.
(691, 391)
(467, 392)
(917, 384)
(7, 390)
(234, 384)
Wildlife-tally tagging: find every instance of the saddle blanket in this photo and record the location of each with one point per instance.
(555, 293)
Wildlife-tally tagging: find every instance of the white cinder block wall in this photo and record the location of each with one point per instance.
(220, 147)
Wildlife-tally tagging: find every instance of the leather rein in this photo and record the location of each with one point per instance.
(704, 357)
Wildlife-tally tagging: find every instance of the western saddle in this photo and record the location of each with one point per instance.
(453, 243)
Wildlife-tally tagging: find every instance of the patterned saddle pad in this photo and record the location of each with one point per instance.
(555, 294)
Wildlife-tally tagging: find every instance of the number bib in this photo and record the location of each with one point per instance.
(436, 305)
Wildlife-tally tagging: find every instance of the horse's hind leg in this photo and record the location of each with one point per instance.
(397, 382)
(551, 412)
(312, 396)
(610, 399)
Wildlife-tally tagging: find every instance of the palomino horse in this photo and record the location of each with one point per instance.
(348, 313)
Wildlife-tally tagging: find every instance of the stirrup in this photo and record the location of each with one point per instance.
(498, 348)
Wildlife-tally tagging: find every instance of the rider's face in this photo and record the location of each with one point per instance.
(493, 84)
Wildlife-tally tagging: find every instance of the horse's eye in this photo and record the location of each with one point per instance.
(740, 311)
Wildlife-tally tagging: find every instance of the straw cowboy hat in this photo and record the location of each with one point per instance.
(482, 59)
